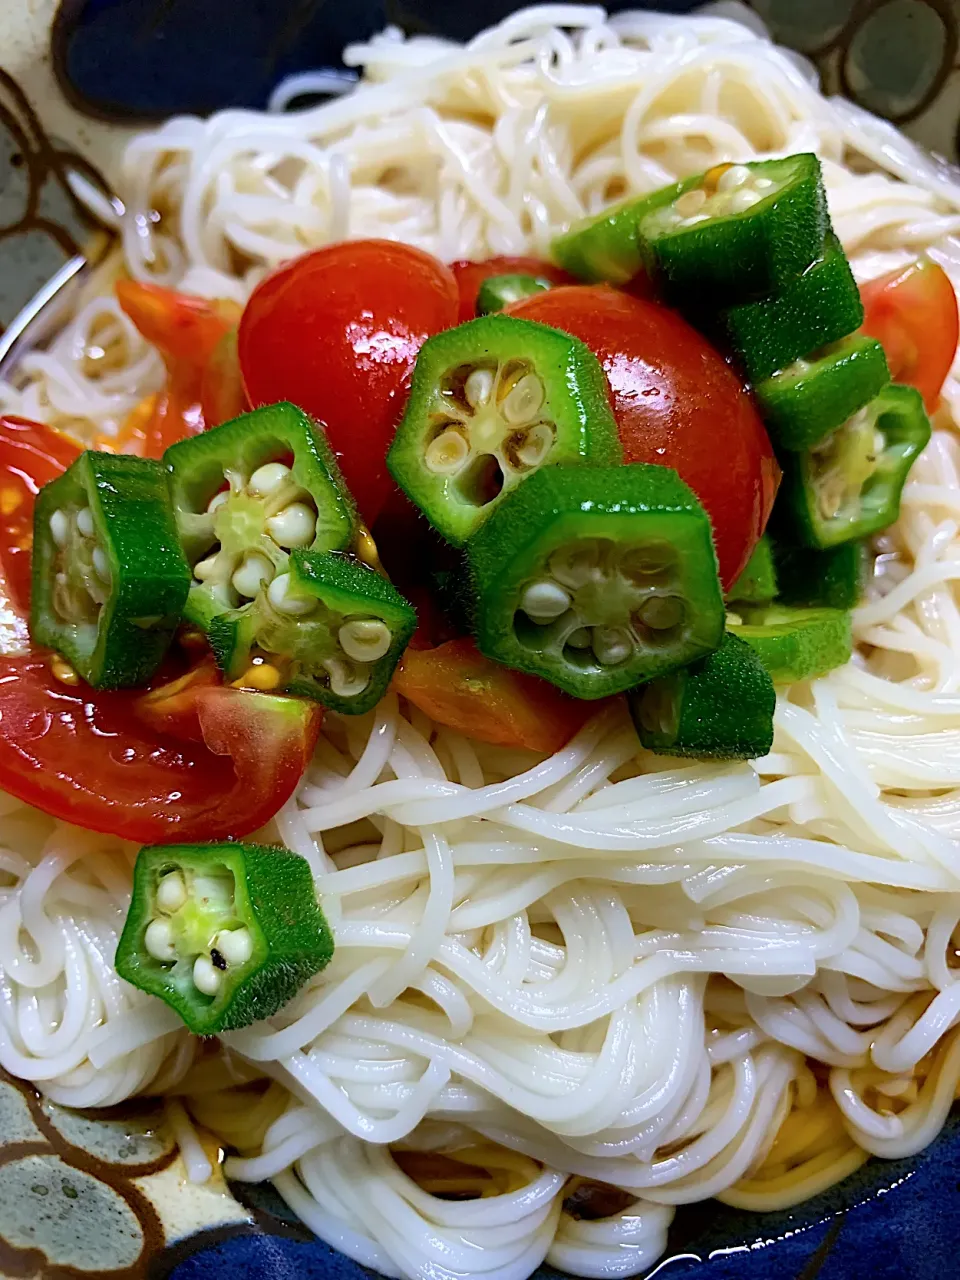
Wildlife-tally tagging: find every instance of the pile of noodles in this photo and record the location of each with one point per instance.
(678, 980)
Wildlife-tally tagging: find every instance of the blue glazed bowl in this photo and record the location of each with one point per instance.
(142, 60)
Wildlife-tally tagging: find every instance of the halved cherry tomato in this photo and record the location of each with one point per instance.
(471, 275)
(222, 396)
(30, 456)
(913, 313)
(337, 332)
(678, 403)
(460, 688)
(190, 333)
(216, 762)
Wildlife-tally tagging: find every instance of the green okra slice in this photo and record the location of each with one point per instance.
(330, 627)
(794, 644)
(492, 401)
(225, 934)
(596, 578)
(109, 576)
(498, 292)
(718, 708)
(757, 583)
(834, 578)
(607, 245)
(248, 493)
(849, 485)
(812, 397)
(820, 306)
(740, 230)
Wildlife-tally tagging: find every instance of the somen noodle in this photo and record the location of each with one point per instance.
(680, 981)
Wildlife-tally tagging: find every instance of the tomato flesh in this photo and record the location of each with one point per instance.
(471, 275)
(337, 332)
(913, 314)
(457, 686)
(677, 403)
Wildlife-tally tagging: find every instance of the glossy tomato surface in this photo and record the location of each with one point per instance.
(471, 275)
(912, 312)
(677, 403)
(337, 332)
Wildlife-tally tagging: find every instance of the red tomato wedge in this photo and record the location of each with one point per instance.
(677, 403)
(194, 337)
(471, 275)
(913, 314)
(460, 688)
(188, 761)
(337, 332)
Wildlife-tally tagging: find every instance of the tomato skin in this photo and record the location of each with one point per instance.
(913, 313)
(471, 275)
(457, 686)
(677, 403)
(30, 456)
(337, 331)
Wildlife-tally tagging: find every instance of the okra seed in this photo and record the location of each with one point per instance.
(279, 596)
(447, 453)
(85, 522)
(59, 528)
(579, 639)
(171, 892)
(345, 681)
(535, 445)
(101, 564)
(733, 177)
(268, 478)
(662, 612)
(743, 200)
(544, 601)
(205, 569)
(205, 977)
(294, 526)
(252, 574)
(691, 202)
(612, 645)
(158, 940)
(524, 401)
(364, 639)
(217, 501)
(478, 387)
(763, 184)
(574, 566)
(235, 945)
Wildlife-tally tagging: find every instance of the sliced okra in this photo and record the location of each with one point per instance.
(246, 495)
(794, 644)
(327, 628)
(738, 231)
(498, 292)
(109, 576)
(758, 582)
(816, 308)
(597, 578)
(849, 485)
(812, 397)
(719, 708)
(492, 401)
(607, 246)
(833, 578)
(225, 934)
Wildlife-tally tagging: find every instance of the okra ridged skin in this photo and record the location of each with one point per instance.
(720, 708)
(575, 403)
(736, 257)
(801, 407)
(820, 306)
(275, 900)
(833, 579)
(607, 246)
(631, 509)
(795, 644)
(758, 582)
(134, 527)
